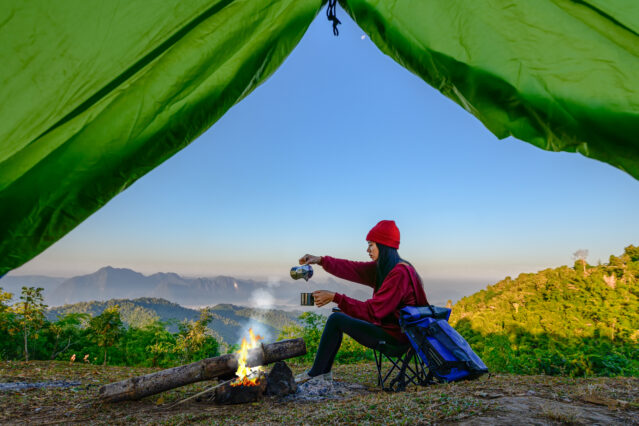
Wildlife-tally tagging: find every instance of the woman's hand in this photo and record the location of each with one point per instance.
(308, 259)
(322, 297)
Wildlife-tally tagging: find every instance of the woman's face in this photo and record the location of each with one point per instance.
(373, 251)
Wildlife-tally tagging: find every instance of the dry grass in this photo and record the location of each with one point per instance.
(435, 404)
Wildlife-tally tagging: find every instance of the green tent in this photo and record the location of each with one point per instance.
(96, 94)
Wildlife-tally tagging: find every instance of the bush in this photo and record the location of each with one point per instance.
(311, 330)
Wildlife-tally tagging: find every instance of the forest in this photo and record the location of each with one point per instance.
(576, 321)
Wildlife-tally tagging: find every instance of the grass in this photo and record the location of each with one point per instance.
(436, 404)
(563, 418)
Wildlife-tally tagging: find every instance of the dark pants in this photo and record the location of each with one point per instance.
(337, 324)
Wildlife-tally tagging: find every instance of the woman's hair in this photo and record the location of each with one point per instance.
(388, 258)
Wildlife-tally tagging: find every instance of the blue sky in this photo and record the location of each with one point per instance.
(338, 138)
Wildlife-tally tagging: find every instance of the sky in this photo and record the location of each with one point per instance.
(340, 137)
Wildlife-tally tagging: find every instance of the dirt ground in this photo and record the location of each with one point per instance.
(500, 399)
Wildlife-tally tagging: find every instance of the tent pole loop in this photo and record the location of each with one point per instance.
(332, 16)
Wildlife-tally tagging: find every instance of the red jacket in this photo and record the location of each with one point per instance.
(402, 287)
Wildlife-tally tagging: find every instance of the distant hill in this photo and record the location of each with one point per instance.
(14, 284)
(108, 283)
(230, 322)
(119, 283)
(582, 319)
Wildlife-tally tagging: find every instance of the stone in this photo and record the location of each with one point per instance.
(280, 380)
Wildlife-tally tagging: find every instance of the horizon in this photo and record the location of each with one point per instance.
(439, 290)
(265, 296)
(337, 139)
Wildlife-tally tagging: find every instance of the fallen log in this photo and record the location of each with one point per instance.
(206, 369)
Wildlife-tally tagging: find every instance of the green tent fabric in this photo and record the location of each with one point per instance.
(96, 94)
(560, 74)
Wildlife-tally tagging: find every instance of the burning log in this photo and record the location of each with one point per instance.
(278, 382)
(206, 369)
(230, 393)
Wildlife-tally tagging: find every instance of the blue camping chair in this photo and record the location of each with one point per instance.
(405, 367)
(400, 372)
(437, 353)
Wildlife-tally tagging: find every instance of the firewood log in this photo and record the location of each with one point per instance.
(206, 369)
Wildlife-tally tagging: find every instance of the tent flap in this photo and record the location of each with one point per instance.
(99, 93)
(96, 94)
(560, 74)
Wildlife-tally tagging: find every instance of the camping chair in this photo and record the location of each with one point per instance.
(405, 367)
(427, 360)
(400, 359)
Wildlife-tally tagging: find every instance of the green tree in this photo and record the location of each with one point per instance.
(194, 340)
(5, 311)
(311, 330)
(30, 311)
(8, 326)
(106, 329)
(151, 346)
(632, 252)
(66, 332)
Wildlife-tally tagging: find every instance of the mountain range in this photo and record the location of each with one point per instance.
(119, 283)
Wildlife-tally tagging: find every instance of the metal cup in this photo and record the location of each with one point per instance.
(307, 299)
(302, 271)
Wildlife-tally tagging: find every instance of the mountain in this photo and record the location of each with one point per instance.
(13, 284)
(230, 322)
(119, 283)
(581, 320)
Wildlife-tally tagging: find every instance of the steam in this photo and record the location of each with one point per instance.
(261, 298)
(273, 282)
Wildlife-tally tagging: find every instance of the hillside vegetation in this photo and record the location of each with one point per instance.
(145, 331)
(228, 323)
(577, 321)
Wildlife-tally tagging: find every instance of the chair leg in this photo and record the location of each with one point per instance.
(403, 370)
(378, 363)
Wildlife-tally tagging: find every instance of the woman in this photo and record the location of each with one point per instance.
(395, 284)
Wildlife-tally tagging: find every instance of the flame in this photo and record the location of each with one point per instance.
(243, 372)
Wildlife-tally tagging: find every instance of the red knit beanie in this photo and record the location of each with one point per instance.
(385, 232)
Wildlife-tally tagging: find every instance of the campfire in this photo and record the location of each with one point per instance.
(280, 380)
(250, 383)
(247, 376)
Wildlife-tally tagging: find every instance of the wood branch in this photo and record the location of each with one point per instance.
(206, 369)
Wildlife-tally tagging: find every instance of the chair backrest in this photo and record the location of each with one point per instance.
(412, 313)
